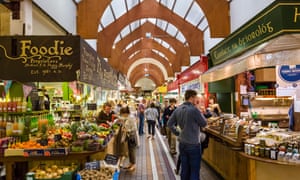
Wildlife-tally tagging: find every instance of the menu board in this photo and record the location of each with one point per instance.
(39, 58)
(90, 65)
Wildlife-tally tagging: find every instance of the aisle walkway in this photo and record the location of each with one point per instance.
(155, 163)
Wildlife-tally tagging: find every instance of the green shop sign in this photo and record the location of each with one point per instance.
(278, 18)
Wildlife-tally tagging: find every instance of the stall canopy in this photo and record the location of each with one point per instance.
(53, 59)
(271, 38)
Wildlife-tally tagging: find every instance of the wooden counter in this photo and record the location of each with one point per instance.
(233, 164)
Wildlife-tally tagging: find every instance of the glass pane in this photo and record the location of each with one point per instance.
(107, 17)
(131, 3)
(117, 39)
(125, 31)
(203, 24)
(195, 14)
(172, 50)
(118, 7)
(152, 20)
(165, 44)
(181, 37)
(181, 7)
(168, 3)
(171, 29)
(161, 23)
(135, 25)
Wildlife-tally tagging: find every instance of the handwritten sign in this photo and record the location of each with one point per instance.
(39, 58)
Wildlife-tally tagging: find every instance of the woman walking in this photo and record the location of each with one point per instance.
(151, 115)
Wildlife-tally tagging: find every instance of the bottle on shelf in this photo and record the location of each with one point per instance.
(9, 126)
(24, 105)
(19, 104)
(29, 105)
(1, 105)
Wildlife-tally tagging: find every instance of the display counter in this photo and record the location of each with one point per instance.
(262, 168)
(223, 155)
(78, 158)
(227, 156)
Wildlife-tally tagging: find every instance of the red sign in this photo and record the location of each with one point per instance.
(194, 71)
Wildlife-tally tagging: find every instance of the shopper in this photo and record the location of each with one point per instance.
(170, 136)
(141, 110)
(189, 119)
(130, 127)
(106, 114)
(151, 114)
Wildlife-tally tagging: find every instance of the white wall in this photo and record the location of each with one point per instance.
(63, 11)
(243, 10)
(41, 25)
(240, 12)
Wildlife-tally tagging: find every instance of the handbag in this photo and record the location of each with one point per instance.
(123, 135)
(132, 139)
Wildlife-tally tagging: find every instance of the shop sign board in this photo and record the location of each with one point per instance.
(287, 79)
(36, 58)
(53, 59)
(195, 85)
(278, 18)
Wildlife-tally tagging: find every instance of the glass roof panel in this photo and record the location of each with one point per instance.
(203, 25)
(180, 37)
(135, 25)
(194, 16)
(107, 17)
(172, 30)
(125, 31)
(132, 3)
(167, 3)
(131, 44)
(181, 7)
(172, 50)
(119, 8)
(161, 23)
(165, 44)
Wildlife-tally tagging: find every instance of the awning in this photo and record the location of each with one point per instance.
(283, 50)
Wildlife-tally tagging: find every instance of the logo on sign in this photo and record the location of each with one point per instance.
(289, 73)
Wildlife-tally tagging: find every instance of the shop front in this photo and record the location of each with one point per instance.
(253, 59)
(72, 76)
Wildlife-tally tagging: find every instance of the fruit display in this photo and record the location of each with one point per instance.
(103, 173)
(51, 172)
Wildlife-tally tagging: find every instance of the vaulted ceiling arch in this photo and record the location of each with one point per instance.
(150, 8)
(91, 11)
(142, 61)
(182, 52)
(152, 71)
(150, 56)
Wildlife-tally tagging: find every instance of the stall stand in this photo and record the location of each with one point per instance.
(40, 60)
(264, 42)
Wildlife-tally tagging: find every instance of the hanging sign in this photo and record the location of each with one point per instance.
(39, 58)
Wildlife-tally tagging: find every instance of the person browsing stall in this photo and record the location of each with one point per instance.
(189, 119)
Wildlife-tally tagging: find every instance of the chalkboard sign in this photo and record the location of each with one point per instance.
(39, 58)
(90, 65)
(111, 159)
(91, 106)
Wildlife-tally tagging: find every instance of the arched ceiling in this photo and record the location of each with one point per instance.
(158, 34)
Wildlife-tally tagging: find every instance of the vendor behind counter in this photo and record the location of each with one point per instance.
(106, 115)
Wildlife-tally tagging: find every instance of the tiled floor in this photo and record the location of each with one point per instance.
(155, 162)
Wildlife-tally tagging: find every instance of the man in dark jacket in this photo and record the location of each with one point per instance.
(189, 119)
(170, 136)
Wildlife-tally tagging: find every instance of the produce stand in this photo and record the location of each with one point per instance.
(80, 158)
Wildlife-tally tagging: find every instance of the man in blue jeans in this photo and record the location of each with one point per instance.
(141, 110)
(189, 119)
